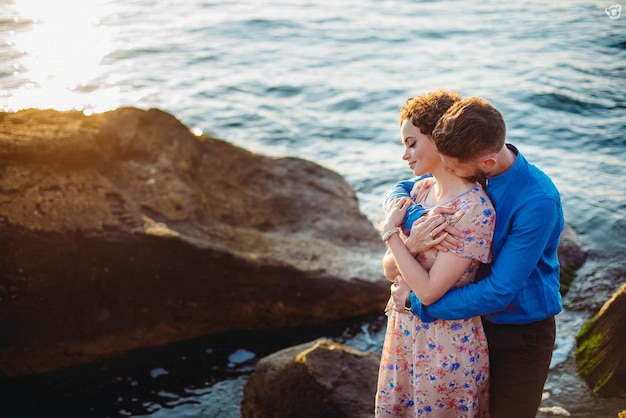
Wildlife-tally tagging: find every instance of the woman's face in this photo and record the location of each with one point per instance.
(419, 149)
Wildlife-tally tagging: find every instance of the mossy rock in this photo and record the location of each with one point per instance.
(600, 357)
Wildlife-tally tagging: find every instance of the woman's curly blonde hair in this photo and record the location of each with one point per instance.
(424, 111)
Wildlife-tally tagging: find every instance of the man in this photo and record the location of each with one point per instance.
(518, 295)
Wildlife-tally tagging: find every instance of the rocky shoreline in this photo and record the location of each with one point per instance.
(124, 231)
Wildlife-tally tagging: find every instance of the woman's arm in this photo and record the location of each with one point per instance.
(426, 233)
(427, 285)
(389, 266)
(430, 285)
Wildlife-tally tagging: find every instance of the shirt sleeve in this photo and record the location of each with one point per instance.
(520, 254)
(403, 189)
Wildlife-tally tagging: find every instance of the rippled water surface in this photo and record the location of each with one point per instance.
(323, 80)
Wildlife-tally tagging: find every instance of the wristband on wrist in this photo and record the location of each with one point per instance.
(389, 233)
(407, 303)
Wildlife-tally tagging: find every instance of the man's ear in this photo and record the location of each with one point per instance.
(488, 162)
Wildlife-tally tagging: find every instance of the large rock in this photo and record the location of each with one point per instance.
(318, 379)
(123, 230)
(600, 355)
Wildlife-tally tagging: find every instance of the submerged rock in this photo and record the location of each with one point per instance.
(600, 356)
(123, 230)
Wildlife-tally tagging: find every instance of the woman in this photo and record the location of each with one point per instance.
(437, 369)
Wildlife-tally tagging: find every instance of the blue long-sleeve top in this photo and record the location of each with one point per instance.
(522, 283)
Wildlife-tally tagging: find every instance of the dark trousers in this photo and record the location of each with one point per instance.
(519, 358)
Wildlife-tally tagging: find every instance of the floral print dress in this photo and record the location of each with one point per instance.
(440, 369)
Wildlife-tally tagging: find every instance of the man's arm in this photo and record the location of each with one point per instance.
(520, 254)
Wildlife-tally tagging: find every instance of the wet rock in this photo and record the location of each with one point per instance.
(594, 284)
(123, 230)
(600, 356)
(317, 379)
(571, 257)
(555, 411)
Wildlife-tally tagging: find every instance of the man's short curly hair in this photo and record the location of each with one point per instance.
(424, 111)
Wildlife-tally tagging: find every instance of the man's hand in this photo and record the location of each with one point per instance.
(399, 291)
(433, 231)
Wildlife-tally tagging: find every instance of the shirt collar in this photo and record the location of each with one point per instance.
(511, 172)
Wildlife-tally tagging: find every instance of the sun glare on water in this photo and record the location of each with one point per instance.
(60, 46)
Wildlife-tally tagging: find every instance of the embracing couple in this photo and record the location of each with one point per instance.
(472, 254)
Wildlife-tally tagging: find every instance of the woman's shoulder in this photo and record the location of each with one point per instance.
(421, 188)
(478, 194)
(474, 204)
